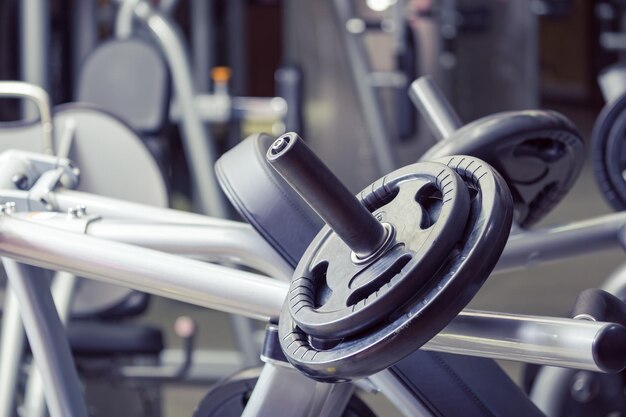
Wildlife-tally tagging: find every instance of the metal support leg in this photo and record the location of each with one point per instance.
(284, 392)
(368, 99)
(63, 286)
(48, 341)
(85, 33)
(434, 107)
(34, 42)
(243, 332)
(202, 45)
(11, 348)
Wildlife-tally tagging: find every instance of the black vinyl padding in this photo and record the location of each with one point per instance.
(463, 386)
(93, 339)
(265, 200)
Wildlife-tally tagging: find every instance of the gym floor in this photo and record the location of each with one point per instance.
(545, 290)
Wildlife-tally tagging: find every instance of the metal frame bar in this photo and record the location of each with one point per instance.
(34, 34)
(550, 341)
(305, 397)
(62, 290)
(170, 276)
(39, 96)
(11, 349)
(231, 244)
(523, 250)
(47, 339)
(368, 98)
(531, 248)
(198, 144)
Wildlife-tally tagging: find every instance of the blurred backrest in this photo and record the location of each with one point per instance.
(129, 79)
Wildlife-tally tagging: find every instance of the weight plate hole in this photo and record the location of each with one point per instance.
(322, 290)
(473, 192)
(429, 197)
(323, 344)
(546, 149)
(376, 284)
(376, 200)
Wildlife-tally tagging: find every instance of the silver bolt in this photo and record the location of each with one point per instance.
(7, 208)
(20, 181)
(278, 145)
(584, 388)
(72, 212)
(10, 207)
(81, 210)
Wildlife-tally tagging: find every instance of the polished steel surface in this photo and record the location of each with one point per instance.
(531, 248)
(36, 94)
(158, 273)
(434, 107)
(235, 242)
(11, 350)
(543, 340)
(47, 339)
(531, 339)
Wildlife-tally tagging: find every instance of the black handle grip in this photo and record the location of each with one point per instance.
(323, 191)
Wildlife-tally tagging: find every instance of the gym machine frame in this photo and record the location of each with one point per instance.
(35, 240)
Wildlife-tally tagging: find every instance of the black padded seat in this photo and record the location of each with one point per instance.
(95, 339)
(265, 200)
(463, 386)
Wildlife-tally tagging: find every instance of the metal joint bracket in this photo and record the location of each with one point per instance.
(32, 166)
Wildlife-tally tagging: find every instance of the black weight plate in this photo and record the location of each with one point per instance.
(411, 325)
(426, 206)
(609, 153)
(265, 200)
(539, 154)
(228, 398)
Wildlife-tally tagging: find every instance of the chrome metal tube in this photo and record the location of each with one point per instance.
(62, 289)
(229, 237)
(46, 336)
(434, 107)
(11, 349)
(158, 273)
(305, 398)
(542, 340)
(217, 243)
(34, 32)
(37, 95)
(530, 248)
(579, 344)
(64, 199)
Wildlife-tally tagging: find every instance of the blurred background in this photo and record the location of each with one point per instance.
(335, 71)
